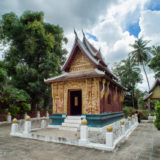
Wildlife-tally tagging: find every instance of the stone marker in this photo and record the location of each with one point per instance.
(27, 125)
(44, 122)
(109, 136)
(122, 127)
(14, 126)
(9, 117)
(38, 115)
(84, 131)
(47, 115)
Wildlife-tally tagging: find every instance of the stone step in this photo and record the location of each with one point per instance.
(70, 125)
(68, 128)
(72, 121)
(74, 117)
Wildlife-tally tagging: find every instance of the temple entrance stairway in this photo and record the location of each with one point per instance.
(71, 123)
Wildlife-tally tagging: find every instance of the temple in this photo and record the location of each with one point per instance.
(86, 87)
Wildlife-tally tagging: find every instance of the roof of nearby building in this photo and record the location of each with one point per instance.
(156, 83)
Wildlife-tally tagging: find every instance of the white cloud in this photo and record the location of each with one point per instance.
(66, 13)
(126, 12)
(149, 23)
(144, 86)
(113, 41)
(107, 20)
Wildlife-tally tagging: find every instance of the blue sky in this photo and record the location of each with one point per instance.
(134, 29)
(153, 5)
(92, 36)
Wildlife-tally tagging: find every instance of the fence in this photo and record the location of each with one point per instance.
(99, 139)
(8, 118)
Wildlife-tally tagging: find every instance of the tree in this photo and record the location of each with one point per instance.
(157, 112)
(3, 76)
(129, 75)
(155, 61)
(35, 52)
(139, 95)
(14, 100)
(141, 54)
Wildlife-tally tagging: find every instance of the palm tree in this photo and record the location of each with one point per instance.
(141, 54)
(155, 50)
(155, 61)
(129, 75)
(133, 75)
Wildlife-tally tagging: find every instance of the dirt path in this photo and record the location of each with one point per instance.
(143, 144)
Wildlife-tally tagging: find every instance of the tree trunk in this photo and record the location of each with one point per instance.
(133, 98)
(146, 76)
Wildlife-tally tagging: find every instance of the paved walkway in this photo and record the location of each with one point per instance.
(143, 144)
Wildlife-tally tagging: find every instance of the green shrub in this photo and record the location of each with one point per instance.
(25, 107)
(128, 111)
(143, 114)
(157, 114)
(14, 110)
(152, 114)
(141, 102)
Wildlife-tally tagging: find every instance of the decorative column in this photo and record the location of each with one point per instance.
(109, 136)
(47, 115)
(129, 120)
(84, 131)
(38, 115)
(122, 127)
(27, 125)
(9, 117)
(44, 122)
(14, 127)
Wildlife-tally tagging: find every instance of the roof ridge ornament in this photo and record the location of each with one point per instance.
(84, 36)
(76, 36)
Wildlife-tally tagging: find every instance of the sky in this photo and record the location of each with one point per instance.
(110, 25)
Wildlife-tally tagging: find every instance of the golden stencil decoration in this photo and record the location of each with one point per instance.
(107, 92)
(80, 62)
(90, 95)
(122, 96)
(115, 96)
(58, 97)
(103, 89)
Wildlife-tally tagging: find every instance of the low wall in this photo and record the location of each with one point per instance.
(57, 119)
(93, 120)
(101, 120)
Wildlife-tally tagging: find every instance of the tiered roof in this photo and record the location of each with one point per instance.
(94, 55)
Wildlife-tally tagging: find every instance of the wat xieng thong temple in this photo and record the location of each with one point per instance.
(86, 87)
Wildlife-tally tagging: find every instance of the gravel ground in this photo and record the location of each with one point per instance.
(143, 144)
